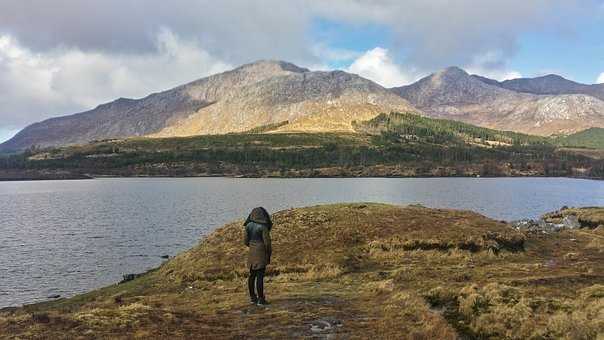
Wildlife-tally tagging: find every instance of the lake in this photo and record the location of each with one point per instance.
(68, 237)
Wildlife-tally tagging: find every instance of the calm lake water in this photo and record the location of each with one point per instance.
(68, 237)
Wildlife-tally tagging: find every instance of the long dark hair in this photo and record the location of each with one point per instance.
(259, 215)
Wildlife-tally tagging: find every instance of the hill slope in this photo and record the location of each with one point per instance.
(444, 131)
(264, 92)
(353, 271)
(590, 138)
(118, 119)
(395, 145)
(454, 94)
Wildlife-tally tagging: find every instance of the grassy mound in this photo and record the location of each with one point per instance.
(327, 240)
(353, 270)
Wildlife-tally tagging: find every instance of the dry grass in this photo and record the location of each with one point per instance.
(353, 271)
(499, 311)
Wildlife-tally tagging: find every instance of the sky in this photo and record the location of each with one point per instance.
(66, 56)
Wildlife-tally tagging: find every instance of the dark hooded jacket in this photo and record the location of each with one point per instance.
(257, 238)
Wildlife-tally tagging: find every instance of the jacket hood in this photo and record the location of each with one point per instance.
(259, 215)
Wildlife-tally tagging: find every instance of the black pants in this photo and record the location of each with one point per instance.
(257, 276)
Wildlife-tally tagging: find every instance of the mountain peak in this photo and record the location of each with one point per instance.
(448, 76)
(450, 86)
(452, 71)
(552, 77)
(267, 64)
(544, 105)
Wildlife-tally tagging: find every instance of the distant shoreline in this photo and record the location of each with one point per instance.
(93, 177)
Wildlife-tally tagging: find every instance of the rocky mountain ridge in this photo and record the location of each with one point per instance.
(549, 84)
(252, 95)
(270, 92)
(310, 101)
(454, 94)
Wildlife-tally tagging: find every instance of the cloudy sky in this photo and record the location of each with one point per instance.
(66, 56)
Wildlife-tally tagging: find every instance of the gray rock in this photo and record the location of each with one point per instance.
(571, 222)
(524, 224)
(320, 326)
(324, 325)
(541, 224)
(538, 226)
(129, 277)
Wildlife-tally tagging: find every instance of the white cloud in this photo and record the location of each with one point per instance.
(324, 52)
(491, 64)
(328, 56)
(52, 62)
(499, 75)
(240, 31)
(377, 65)
(35, 86)
(430, 40)
(600, 79)
(237, 31)
(6, 134)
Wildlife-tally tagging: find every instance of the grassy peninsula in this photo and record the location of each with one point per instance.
(356, 271)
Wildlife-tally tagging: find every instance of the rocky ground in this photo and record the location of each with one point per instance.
(356, 271)
(565, 218)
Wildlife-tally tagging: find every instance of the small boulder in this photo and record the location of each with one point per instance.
(54, 296)
(540, 226)
(524, 224)
(129, 277)
(324, 325)
(571, 222)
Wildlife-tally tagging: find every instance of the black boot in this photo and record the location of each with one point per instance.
(262, 302)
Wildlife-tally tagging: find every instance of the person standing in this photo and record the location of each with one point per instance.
(257, 237)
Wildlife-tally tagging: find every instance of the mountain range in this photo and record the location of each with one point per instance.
(549, 84)
(295, 99)
(454, 94)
